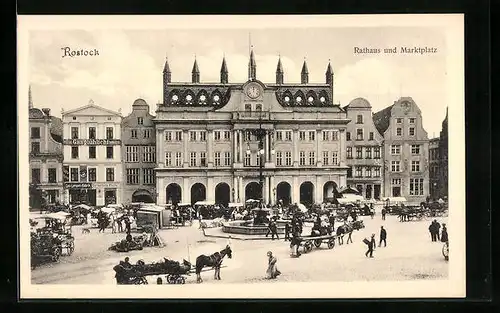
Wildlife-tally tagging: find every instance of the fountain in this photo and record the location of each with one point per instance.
(255, 226)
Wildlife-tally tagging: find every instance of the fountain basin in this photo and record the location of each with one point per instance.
(248, 227)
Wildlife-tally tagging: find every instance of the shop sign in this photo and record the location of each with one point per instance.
(92, 142)
(77, 185)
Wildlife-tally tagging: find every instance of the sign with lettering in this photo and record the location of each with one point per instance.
(77, 185)
(92, 142)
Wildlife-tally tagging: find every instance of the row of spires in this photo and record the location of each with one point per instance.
(252, 72)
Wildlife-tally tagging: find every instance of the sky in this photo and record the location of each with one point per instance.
(130, 64)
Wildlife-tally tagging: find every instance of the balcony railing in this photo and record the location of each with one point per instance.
(252, 115)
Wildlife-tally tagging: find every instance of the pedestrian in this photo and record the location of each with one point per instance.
(383, 236)
(383, 213)
(287, 231)
(274, 229)
(438, 227)
(432, 230)
(159, 281)
(113, 223)
(295, 242)
(272, 269)
(349, 239)
(331, 219)
(371, 246)
(340, 234)
(127, 224)
(444, 234)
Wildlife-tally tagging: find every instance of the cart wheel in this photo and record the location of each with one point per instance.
(71, 248)
(56, 255)
(331, 243)
(308, 246)
(180, 280)
(317, 243)
(445, 252)
(170, 279)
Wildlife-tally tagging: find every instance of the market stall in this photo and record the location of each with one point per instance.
(154, 215)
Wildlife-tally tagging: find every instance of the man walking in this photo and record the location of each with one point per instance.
(371, 246)
(432, 230)
(288, 229)
(383, 214)
(438, 227)
(383, 236)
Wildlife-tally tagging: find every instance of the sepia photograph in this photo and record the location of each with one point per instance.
(241, 156)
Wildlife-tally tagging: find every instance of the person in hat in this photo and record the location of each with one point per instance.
(444, 234)
(383, 236)
(371, 247)
(272, 269)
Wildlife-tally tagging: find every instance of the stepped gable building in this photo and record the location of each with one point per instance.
(139, 154)
(92, 155)
(365, 148)
(406, 151)
(434, 172)
(46, 156)
(234, 141)
(443, 159)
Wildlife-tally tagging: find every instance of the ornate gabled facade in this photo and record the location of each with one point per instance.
(139, 154)
(406, 151)
(92, 155)
(46, 157)
(365, 149)
(227, 142)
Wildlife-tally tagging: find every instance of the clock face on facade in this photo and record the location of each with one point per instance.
(253, 91)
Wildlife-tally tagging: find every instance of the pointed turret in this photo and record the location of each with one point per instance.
(304, 74)
(329, 74)
(30, 99)
(279, 72)
(224, 75)
(252, 67)
(167, 74)
(195, 73)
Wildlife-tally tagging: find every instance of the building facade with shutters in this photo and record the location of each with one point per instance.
(365, 149)
(45, 157)
(406, 151)
(230, 142)
(139, 154)
(92, 155)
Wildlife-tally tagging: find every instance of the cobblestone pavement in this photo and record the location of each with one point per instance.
(409, 255)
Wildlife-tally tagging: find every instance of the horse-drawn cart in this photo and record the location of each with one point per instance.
(308, 242)
(136, 274)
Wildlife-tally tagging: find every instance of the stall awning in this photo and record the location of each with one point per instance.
(183, 204)
(151, 208)
(348, 190)
(108, 210)
(235, 205)
(352, 197)
(251, 200)
(205, 203)
(56, 216)
(83, 206)
(395, 199)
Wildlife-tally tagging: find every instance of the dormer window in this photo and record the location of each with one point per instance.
(140, 121)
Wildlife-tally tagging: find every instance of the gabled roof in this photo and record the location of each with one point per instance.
(36, 114)
(382, 118)
(358, 103)
(88, 106)
(56, 129)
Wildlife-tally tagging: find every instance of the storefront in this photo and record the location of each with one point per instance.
(81, 193)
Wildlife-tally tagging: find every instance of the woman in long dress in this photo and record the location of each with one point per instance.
(272, 269)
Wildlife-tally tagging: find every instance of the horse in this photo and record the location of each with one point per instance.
(214, 261)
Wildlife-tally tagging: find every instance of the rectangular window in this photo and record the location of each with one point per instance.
(140, 121)
(359, 171)
(279, 136)
(412, 120)
(302, 158)
(359, 152)
(227, 135)
(349, 152)
(248, 107)
(149, 176)
(217, 135)
(359, 119)
(74, 152)
(178, 159)
(326, 155)
(376, 172)
(395, 166)
(302, 135)
(132, 154)
(411, 131)
(92, 152)
(227, 158)
(168, 136)
(247, 160)
(168, 159)
(192, 136)
(368, 152)
(35, 175)
(203, 136)
(312, 135)
(335, 158)
(312, 158)
(247, 136)
(399, 131)
(348, 136)
(416, 186)
(203, 159)
(349, 172)
(335, 135)
(133, 176)
(35, 132)
(109, 152)
(376, 152)
(35, 147)
(288, 158)
(92, 133)
(258, 159)
(415, 166)
(371, 135)
(368, 172)
(178, 135)
(395, 149)
(279, 158)
(326, 135)
(92, 173)
(109, 132)
(74, 174)
(74, 132)
(147, 133)
(399, 120)
(192, 159)
(110, 174)
(396, 181)
(52, 175)
(217, 159)
(149, 154)
(288, 135)
(133, 133)
(359, 134)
